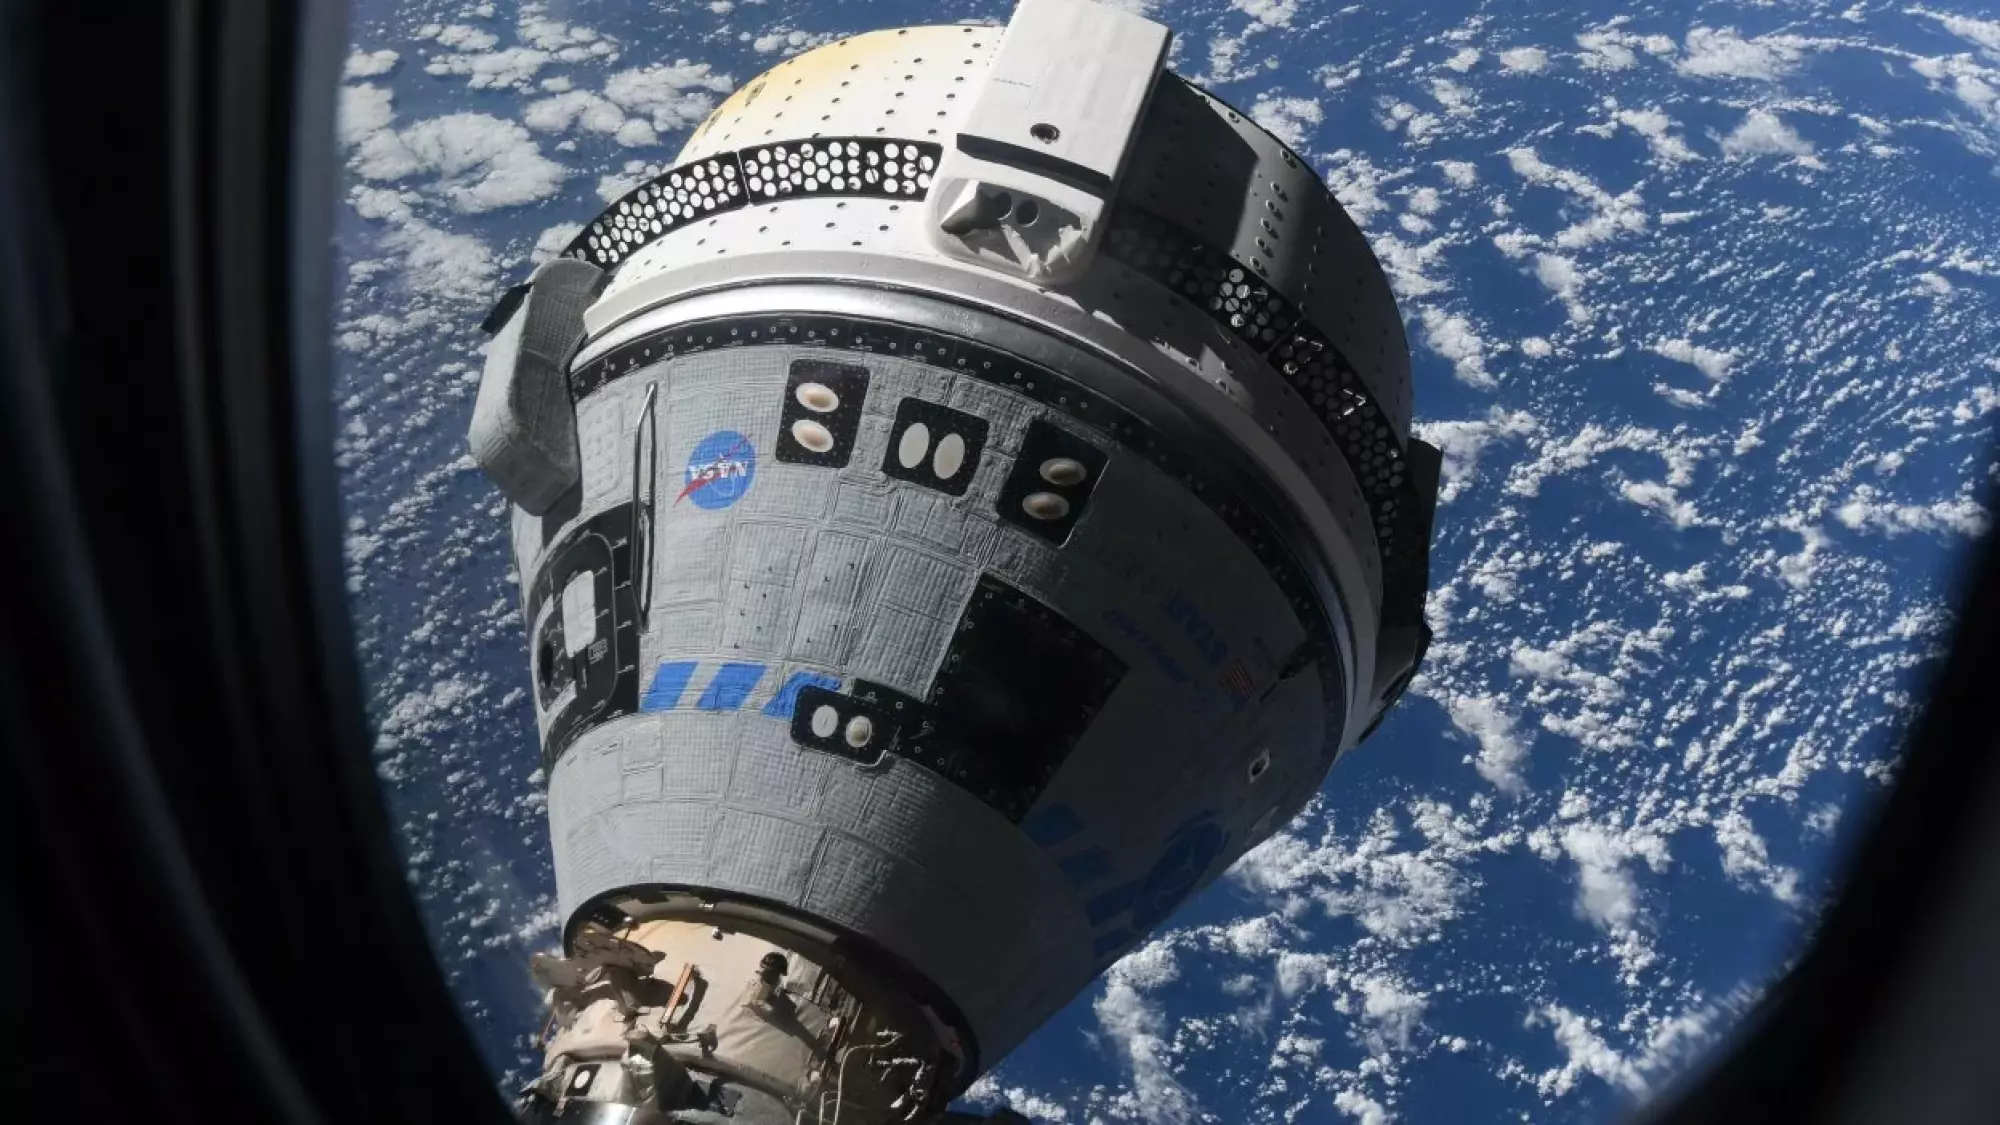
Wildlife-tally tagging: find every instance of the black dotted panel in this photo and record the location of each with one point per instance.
(825, 720)
(1312, 365)
(939, 422)
(840, 166)
(864, 166)
(1333, 389)
(666, 203)
(1019, 686)
(1056, 392)
(1041, 444)
(1227, 290)
(837, 423)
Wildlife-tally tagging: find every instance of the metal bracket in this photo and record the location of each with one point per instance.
(523, 431)
(1025, 187)
(645, 472)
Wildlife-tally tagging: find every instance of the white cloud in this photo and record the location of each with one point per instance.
(1252, 937)
(988, 1092)
(672, 97)
(362, 112)
(461, 37)
(1291, 120)
(635, 133)
(1605, 893)
(1406, 262)
(1586, 1053)
(1985, 34)
(1762, 133)
(1606, 50)
(1460, 173)
(1149, 967)
(1527, 60)
(1709, 361)
(1663, 1047)
(1797, 570)
(1357, 183)
(1654, 126)
(568, 42)
(492, 70)
(1453, 337)
(480, 163)
(1539, 663)
(1399, 895)
(1662, 498)
(1611, 216)
(381, 204)
(1421, 127)
(1985, 399)
(1560, 276)
(1462, 442)
(1713, 53)
(369, 64)
(791, 41)
(1270, 13)
(433, 710)
(574, 107)
(1976, 86)
(1565, 454)
(1464, 59)
(1868, 510)
(1502, 752)
(1457, 100)
(1133, 1022)
(591, 112)
(554, 241)
(1296, 972)
(1391, 1011)
(1745, 858)
(1362, 1108)
(1609, 48)
(612, 185)
(443, 264)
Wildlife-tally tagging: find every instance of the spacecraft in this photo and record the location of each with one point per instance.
(961, 506)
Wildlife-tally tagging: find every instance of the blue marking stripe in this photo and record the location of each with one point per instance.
(730, 687)
(669, 683)
(787, 699)
(1051, 824)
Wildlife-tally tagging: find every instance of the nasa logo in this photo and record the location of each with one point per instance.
(1124, 913)
(719, 471)
(1182, 863)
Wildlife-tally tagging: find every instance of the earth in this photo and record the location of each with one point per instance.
(1704, 301)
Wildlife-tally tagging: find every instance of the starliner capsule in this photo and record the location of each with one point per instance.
(961, 506)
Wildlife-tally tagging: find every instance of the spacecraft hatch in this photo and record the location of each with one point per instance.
(961, 506)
